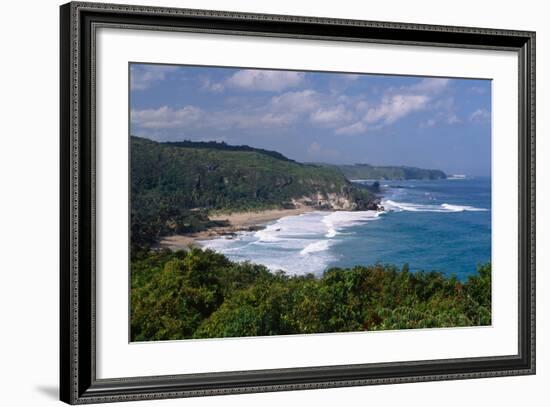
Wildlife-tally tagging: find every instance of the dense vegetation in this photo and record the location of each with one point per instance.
(215, 145)
(366, 171)
(201, 294)
(175, 185)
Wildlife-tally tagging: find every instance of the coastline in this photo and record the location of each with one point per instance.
(238, 222)
(280, 240)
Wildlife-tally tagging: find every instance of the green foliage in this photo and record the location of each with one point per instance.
(366, 171)
(175, 185)
(201, 294)
(214, 145)
(172, 293)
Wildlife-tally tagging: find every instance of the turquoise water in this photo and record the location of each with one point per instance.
(442, 225)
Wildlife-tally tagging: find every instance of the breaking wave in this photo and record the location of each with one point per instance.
(297, 244)
(445, 207)
(319, 246)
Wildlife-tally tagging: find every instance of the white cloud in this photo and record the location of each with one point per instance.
(441, 117)
(452, 118)
(207, 84)
(287, 109)
(189, 118)
(331, 116)
(350, 76)
(429, 86)
(298, 102)
(480, 116)
(398, 103)
(428, 123)
(362, 106)
(264, 80)
(166, 117)
(445, 111)
(272, 119)
(478, 90)
(347, 115)
(323, 110)
(352, 129)
(393, 108)
(143, 76)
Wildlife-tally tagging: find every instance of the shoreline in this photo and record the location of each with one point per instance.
(238, 222)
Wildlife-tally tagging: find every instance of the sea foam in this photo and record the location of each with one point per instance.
(298, 244)
(318, 246)
(445, 207)
(345, 219)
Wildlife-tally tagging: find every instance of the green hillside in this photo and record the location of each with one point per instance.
(366, 171)
(175, 185)
(202, 294)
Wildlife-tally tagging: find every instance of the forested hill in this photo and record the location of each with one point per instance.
(214, 145)
(175, 185)
(366, 171)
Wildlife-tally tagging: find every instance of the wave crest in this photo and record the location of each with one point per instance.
(318, 246)
(445, 207)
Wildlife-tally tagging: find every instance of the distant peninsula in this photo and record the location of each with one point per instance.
(372, 172)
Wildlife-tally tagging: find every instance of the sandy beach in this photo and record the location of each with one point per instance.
(243, 219)
(238, 221)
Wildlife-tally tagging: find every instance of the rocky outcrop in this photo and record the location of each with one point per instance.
(338, 202)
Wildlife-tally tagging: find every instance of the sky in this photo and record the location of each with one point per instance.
(339, 118)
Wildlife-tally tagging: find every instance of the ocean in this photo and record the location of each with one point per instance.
(436, 225)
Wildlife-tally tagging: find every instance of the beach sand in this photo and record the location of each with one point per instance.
(243, 219)
(238, 221)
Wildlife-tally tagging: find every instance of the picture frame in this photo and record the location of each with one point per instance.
(79, 382)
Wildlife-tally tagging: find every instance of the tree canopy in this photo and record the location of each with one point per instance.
(201, 294)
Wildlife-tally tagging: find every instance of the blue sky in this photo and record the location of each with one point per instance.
(319, 116)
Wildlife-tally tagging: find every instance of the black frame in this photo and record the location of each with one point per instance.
(78, 382)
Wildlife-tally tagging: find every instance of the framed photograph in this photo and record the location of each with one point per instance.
(255, 203)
